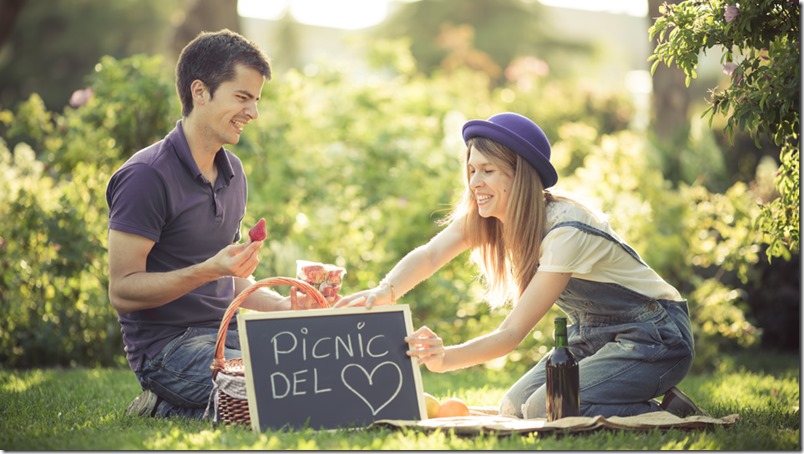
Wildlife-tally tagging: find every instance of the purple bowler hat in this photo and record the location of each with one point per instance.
(520, 134)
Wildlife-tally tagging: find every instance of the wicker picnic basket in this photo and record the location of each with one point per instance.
(229, 375)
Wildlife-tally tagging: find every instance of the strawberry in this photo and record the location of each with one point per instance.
(314, 274)
(334, 277)
(258, 232)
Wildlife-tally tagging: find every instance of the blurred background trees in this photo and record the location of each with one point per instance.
(355, 168)
(478, 34)
(51, 46)
(760, 42)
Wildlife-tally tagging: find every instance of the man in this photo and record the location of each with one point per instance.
(175, 213)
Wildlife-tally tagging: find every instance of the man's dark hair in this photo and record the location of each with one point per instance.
(211, 58)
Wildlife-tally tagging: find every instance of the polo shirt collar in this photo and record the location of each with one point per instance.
(179, 141)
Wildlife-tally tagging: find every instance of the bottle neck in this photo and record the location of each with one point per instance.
(561, 340)
(560, 332)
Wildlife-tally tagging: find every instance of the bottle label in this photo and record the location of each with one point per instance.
(563, 395)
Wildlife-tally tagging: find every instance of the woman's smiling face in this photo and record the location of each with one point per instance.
(490, 184)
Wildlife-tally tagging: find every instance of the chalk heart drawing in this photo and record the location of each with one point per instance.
(359, 378)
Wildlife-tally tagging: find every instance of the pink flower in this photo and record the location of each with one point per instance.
(729, 68)
(525, 70)
(732, 11)
(80, 97)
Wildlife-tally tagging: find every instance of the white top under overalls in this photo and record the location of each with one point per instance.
(594, 257)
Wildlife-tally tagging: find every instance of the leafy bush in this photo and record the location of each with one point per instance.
(53, 261)
(761, 45)
(53, 216)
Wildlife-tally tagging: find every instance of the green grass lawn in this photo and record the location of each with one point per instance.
(83, 409)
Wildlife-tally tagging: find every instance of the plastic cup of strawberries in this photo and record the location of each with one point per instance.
(325, 277)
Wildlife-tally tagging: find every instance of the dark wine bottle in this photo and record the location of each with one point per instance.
(563, 379)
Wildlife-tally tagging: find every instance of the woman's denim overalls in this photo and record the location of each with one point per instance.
(630, 348)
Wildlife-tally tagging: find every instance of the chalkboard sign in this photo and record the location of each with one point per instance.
(329, 368)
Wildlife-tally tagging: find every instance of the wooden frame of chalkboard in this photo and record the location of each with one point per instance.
(329, 368)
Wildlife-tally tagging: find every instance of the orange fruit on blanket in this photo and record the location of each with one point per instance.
(432, 404)
(453, 407)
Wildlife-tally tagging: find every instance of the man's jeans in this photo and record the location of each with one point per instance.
(180, 373)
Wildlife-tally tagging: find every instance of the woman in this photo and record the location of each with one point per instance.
(629, 329)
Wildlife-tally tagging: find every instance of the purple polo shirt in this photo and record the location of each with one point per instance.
(160, 194)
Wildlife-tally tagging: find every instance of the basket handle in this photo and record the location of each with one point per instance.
(218, 360)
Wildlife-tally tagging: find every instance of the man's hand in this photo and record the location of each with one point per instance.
(132, 288)
(239, 260)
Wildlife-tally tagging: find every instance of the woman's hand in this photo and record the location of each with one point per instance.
(380, 295)
(428, 348)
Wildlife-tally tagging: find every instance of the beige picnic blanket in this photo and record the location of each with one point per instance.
(486, 420)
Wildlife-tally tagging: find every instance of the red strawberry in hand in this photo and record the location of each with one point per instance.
(258, 232)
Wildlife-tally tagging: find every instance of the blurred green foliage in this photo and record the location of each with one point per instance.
(760, 41)
(351, 173)
(53, 245)
(53, 263)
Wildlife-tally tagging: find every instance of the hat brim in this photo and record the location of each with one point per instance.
(500, 134)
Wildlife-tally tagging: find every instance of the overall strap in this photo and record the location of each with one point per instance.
(589, 229)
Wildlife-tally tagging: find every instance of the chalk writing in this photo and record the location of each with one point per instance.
(357, 380)
(329, 368)
(286, 343)
(297, 381)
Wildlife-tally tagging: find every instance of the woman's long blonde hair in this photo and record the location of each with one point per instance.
(507, 254)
